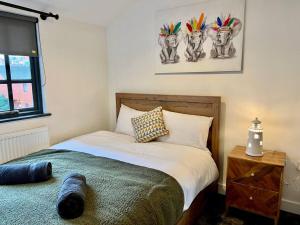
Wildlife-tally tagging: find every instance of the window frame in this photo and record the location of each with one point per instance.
(35, 80)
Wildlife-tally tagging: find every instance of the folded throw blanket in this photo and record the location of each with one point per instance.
(70, 203)
(25, 173)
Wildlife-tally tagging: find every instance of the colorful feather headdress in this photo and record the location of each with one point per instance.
(229, 22)
(167, 30)
(197, 25)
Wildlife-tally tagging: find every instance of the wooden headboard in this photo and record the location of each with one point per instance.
(193, 105)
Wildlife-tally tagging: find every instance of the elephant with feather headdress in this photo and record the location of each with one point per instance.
(169, 39)
(222, 32)
(195, 38)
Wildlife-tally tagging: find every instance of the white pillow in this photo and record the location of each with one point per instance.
(186, 129)
(124, 125)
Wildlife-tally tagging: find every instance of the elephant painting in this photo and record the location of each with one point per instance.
(222, 33)
(169, 39)
(194, 39)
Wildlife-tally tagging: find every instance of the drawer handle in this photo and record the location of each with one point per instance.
(251, 198)
(252, 174)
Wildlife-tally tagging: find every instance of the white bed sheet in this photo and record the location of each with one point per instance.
(193, 168)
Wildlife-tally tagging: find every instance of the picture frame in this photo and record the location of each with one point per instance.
(206, 37)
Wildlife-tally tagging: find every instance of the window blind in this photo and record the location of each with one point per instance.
(18, 35)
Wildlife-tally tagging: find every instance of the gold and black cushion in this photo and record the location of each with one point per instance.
(149, 126)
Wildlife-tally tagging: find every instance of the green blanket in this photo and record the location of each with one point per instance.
(118, 194)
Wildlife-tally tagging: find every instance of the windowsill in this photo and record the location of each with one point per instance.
(24, 117)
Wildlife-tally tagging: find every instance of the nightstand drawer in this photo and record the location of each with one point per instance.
(254, 174)
(252, 199)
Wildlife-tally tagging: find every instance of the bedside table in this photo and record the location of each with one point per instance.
(255, 184)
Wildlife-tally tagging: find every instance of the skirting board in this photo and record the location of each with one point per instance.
(286, 205)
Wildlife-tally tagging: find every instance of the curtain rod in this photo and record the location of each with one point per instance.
(43, 15)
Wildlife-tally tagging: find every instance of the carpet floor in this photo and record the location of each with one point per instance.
(215, 215)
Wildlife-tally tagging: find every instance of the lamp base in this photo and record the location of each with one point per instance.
(254, 154)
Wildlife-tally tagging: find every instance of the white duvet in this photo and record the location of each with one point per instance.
(193, 168)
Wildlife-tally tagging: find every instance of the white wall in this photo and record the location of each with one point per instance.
(268, 87)
(76, 69)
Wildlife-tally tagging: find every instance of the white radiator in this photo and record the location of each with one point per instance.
(18, 144)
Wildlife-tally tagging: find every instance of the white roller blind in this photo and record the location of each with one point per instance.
(18, 34)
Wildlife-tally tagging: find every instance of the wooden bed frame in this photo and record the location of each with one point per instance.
(194, 105)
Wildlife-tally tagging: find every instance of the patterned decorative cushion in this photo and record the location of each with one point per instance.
(149, 126)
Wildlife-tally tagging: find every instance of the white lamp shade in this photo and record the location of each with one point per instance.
(255, 139)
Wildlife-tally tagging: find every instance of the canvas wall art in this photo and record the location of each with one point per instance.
(199, 38)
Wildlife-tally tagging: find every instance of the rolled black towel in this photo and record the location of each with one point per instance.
(70, 202)
(25, 173)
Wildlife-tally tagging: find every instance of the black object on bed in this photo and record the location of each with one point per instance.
(70, 203)
(25, 173)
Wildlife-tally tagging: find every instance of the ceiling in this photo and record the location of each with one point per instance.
(100, 12)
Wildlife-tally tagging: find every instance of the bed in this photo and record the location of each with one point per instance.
(170, 173)
(195, 105)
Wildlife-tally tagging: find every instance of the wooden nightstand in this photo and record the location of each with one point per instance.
(255, 184)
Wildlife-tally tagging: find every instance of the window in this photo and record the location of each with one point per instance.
(20, 83)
